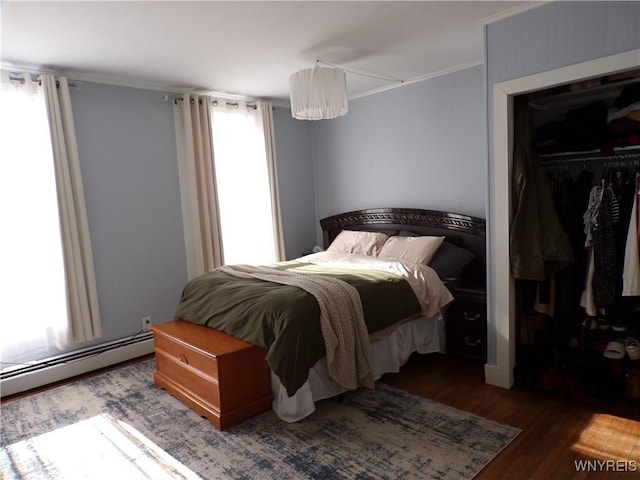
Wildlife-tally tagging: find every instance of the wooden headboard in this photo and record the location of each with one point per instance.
(462, 230)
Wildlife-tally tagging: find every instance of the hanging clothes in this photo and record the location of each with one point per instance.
(602, 213)
(545, 301)
(604, 250)
(631, 269)
(538, 245)
(590, 218)
(575, 282)
(637, 195)
(591, 214)
(627, 197)
(587, 301)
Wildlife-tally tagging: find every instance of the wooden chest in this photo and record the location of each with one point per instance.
(222, 378)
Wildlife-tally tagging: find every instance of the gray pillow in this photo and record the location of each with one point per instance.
(450, 259)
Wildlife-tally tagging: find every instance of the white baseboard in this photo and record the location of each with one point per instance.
(50, 374)
(498, 376)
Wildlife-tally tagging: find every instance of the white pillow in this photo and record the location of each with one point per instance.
(364, 243)
(411, 249)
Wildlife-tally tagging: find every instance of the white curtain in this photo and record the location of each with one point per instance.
(228, 182)
(244, 193)
(203, 239)
(266, 112)
(30, 245)
(81, 291)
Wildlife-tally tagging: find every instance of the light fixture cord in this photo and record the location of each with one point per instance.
(379, 77)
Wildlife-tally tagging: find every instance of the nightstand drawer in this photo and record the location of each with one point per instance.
(466, 324)
(470, 344)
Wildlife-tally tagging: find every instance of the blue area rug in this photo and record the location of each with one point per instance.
(382, 433)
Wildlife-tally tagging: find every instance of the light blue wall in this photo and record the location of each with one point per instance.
(559, 34)
(127, 150)
(421, 145)
(555, 35)
(127, 147)
(295, 182)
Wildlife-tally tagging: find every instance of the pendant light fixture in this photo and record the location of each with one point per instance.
(318, 93)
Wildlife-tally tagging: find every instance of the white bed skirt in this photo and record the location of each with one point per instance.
(389, 354)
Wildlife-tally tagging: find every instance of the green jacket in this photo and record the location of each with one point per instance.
(538, 245)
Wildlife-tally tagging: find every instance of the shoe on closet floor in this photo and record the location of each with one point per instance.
(614, 355)
(615, 350)
(632, 347)
(619, 327)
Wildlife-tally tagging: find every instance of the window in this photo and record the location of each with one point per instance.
(30, 246)
(244, 195)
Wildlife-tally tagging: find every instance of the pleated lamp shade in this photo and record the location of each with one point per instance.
(318, 93)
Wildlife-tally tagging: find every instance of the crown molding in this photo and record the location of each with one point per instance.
(513, 11)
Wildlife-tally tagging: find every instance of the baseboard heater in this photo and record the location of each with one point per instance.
(49, 370)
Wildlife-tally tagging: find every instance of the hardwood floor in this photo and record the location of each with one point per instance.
(557, 429)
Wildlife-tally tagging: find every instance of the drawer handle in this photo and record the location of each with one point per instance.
(472, 344)
(183, 359)
(471, 319)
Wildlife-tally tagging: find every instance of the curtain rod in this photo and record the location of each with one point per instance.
(215, 103)
(78, 78)
(23, 80)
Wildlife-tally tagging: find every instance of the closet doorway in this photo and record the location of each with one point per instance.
(502, 309)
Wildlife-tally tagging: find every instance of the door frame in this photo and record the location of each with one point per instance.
(503, 308)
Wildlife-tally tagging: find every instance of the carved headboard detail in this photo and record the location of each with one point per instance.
(462, 230)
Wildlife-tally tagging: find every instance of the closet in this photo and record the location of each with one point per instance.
(574, 241)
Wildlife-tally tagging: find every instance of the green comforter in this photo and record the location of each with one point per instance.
(285, 320)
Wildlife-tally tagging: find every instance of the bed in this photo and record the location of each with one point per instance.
(408, 319)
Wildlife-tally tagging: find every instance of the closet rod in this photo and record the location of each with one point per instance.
(600, 158)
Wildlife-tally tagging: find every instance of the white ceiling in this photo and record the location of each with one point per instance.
(245, 48)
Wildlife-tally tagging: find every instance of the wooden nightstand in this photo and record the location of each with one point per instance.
(466, 323)
(221, 377)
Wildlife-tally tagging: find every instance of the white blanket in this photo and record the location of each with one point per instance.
(424, 281)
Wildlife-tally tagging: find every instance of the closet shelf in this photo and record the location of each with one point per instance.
(606, 92)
